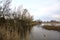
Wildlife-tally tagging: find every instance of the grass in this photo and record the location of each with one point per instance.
(57, 28)
(12, 29)
(16, 26)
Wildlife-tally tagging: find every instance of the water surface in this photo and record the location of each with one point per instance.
(38, 33)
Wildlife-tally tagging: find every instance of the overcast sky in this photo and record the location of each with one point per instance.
(41, 9)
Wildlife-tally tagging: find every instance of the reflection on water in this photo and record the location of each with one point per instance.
(38, 33)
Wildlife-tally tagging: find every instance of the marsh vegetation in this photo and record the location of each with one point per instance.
(57, 28)
(18, 23)
(15, 24)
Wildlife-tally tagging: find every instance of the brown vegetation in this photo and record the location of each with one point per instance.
(15, 25)
(57, 28)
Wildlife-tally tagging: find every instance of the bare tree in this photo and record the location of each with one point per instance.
(5, 8)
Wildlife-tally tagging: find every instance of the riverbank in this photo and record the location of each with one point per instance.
(48, 27)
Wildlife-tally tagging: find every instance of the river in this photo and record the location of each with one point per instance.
(38, 33)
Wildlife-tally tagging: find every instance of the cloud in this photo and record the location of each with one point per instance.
(56, 17)
(40, 8)
(50, 8)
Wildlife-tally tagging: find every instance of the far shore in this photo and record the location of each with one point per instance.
(51, 27)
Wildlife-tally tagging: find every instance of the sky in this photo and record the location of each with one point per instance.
(44, 10)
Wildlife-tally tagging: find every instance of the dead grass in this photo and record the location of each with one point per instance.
(57, 28)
